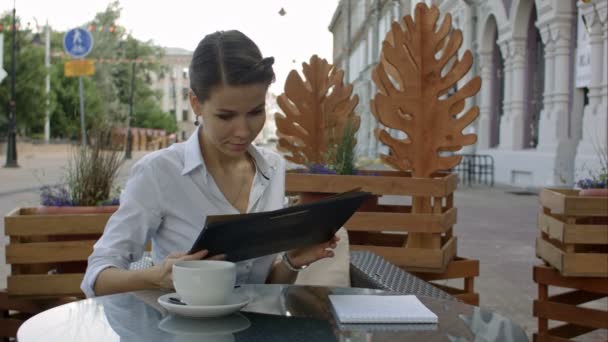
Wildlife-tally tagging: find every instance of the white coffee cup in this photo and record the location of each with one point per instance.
(204, 282)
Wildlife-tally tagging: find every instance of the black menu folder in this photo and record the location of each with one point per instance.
(247, 236)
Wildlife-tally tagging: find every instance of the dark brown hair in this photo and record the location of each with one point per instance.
(227, 58)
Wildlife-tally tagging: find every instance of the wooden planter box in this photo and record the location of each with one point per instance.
(574, 233)
(565, 307)
(384, 229)
(48, 253)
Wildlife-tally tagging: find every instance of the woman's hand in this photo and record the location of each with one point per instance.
(163, 272)
(307, 255)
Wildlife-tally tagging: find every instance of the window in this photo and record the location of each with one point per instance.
(185, 115)
(185, 92)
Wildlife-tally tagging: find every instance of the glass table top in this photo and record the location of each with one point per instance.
(275, 313)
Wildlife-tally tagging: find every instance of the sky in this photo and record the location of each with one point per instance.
(291, 39)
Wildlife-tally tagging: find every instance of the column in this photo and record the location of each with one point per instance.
(555, 120)
(594, 114)
(512, 124)
(562, 84)
(484, 130)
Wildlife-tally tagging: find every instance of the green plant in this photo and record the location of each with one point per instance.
(341, 157)
(92, 170)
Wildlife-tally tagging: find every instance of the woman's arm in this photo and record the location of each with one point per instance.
(281, 274)
(115, 280)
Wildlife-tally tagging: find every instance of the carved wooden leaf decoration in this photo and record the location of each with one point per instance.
(417, 58)
(316, 109)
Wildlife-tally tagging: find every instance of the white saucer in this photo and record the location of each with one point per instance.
(236, 301)
(204, 327)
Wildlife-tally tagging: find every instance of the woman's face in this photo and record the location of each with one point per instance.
(232, 116)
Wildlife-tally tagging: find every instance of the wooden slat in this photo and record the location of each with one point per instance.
(573, 233)
(567, 202)
(21, 305)
(45, 285)
(30, 225)
(550, 276)
(575, 297)
(379, 185)
(571, 314)
(436, 259)
(450, 253)
(47, 252)
(420, 223)
(544, 337)
(569, 330)
(573, 264)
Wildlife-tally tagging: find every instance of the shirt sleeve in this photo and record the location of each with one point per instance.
(129, 228)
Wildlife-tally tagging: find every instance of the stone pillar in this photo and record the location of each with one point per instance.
(562, 32)
(484, 129)
(595, 116)
(555, 122)
(549, 79)
(512, 124)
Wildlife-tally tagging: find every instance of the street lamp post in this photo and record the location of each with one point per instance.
(129, 137)
(11, 147)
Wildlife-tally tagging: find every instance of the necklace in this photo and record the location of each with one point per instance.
(235, 199)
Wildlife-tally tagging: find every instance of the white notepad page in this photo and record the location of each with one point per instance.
(381, 309)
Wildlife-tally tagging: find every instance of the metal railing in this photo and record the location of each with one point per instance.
(476, 169)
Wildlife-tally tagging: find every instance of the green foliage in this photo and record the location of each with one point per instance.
(341, 157)
(107, 93)
(91, 172)
(29, 82)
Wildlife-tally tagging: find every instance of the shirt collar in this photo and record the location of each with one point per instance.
(192, 154)
(193, 157)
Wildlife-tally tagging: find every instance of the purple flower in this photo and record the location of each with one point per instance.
(320, 169)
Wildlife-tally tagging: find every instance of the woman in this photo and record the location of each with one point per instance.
(216, 171)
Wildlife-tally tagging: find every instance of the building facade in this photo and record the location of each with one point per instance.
(543, 101)
(174, 85)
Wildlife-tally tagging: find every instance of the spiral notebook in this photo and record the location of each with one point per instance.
(381, 309)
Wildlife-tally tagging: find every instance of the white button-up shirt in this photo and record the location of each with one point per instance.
(167, 198)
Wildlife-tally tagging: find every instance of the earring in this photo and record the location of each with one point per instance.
(196, 122)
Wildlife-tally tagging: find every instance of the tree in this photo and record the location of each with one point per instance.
(107, 93)
(29, 81)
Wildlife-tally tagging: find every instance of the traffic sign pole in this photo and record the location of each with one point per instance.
(82, 125)
(78, 43)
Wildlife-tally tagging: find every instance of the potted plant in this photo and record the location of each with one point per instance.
(51, 243)
(88, 181)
